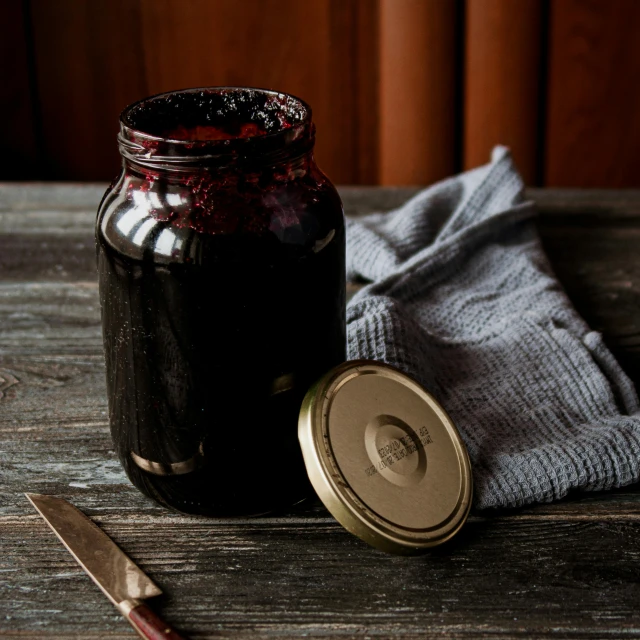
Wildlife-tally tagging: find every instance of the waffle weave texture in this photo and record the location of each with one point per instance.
(460, 296)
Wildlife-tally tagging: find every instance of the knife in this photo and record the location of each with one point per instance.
(112, 570)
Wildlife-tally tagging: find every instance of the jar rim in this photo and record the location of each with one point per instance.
(289, 117)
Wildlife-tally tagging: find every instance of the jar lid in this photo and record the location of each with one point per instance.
(385, 458)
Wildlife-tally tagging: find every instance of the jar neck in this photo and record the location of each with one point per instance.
(167, 157)
(280, 170)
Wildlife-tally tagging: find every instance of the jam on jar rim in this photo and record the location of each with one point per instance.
(226, 183)
(267, 126)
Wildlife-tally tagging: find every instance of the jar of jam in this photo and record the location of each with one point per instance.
(221, 259)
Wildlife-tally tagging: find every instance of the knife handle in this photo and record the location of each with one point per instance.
(148, 625)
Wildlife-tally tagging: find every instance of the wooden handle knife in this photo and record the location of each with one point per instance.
(109, 567)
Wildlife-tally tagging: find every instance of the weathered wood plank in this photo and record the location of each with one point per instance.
(85, 196)
(39, 257)
(591, 239)
(501, 578)
(64, 196)
(54, 438)
(568, 569)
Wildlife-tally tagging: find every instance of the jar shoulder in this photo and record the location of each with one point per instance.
(167, 221)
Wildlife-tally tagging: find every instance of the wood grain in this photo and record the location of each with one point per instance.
(593, 132)
(503, 56)
(417, 91)
(18, 134)
(566, 570)
(252, 44)
(94, 58)
(89, 66)
(221, 580)
(558, 81)
(367, 90)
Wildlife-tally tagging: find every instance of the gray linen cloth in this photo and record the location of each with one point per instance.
(462, 298)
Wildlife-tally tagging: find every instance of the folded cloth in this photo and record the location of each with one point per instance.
(462, 298)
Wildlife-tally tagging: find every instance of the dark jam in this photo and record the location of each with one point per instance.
(221, 265)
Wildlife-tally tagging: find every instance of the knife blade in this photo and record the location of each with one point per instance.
(108, 566)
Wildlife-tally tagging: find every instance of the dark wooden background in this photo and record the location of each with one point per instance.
(404, 91)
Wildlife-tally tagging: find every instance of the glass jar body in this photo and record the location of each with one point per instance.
(223, 299)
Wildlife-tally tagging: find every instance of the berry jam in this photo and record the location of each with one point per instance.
(222, 285)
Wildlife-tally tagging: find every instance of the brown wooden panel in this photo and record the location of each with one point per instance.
(417, 90)
(96, 57)
(502, 81)
(367, 88)
(593, 133)
(89, 65)
(305, 48)
(18, 146)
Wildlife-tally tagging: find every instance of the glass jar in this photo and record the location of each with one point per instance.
(221, 259)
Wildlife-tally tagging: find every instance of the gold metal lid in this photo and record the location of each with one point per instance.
(385, 458)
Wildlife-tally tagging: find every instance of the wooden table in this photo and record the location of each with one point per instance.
(568, 570)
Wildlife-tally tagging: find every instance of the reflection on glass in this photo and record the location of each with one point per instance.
(174, 199)
(130, 219)
(167, 242)
(154, 200)
(139, 197)
(143, 231)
